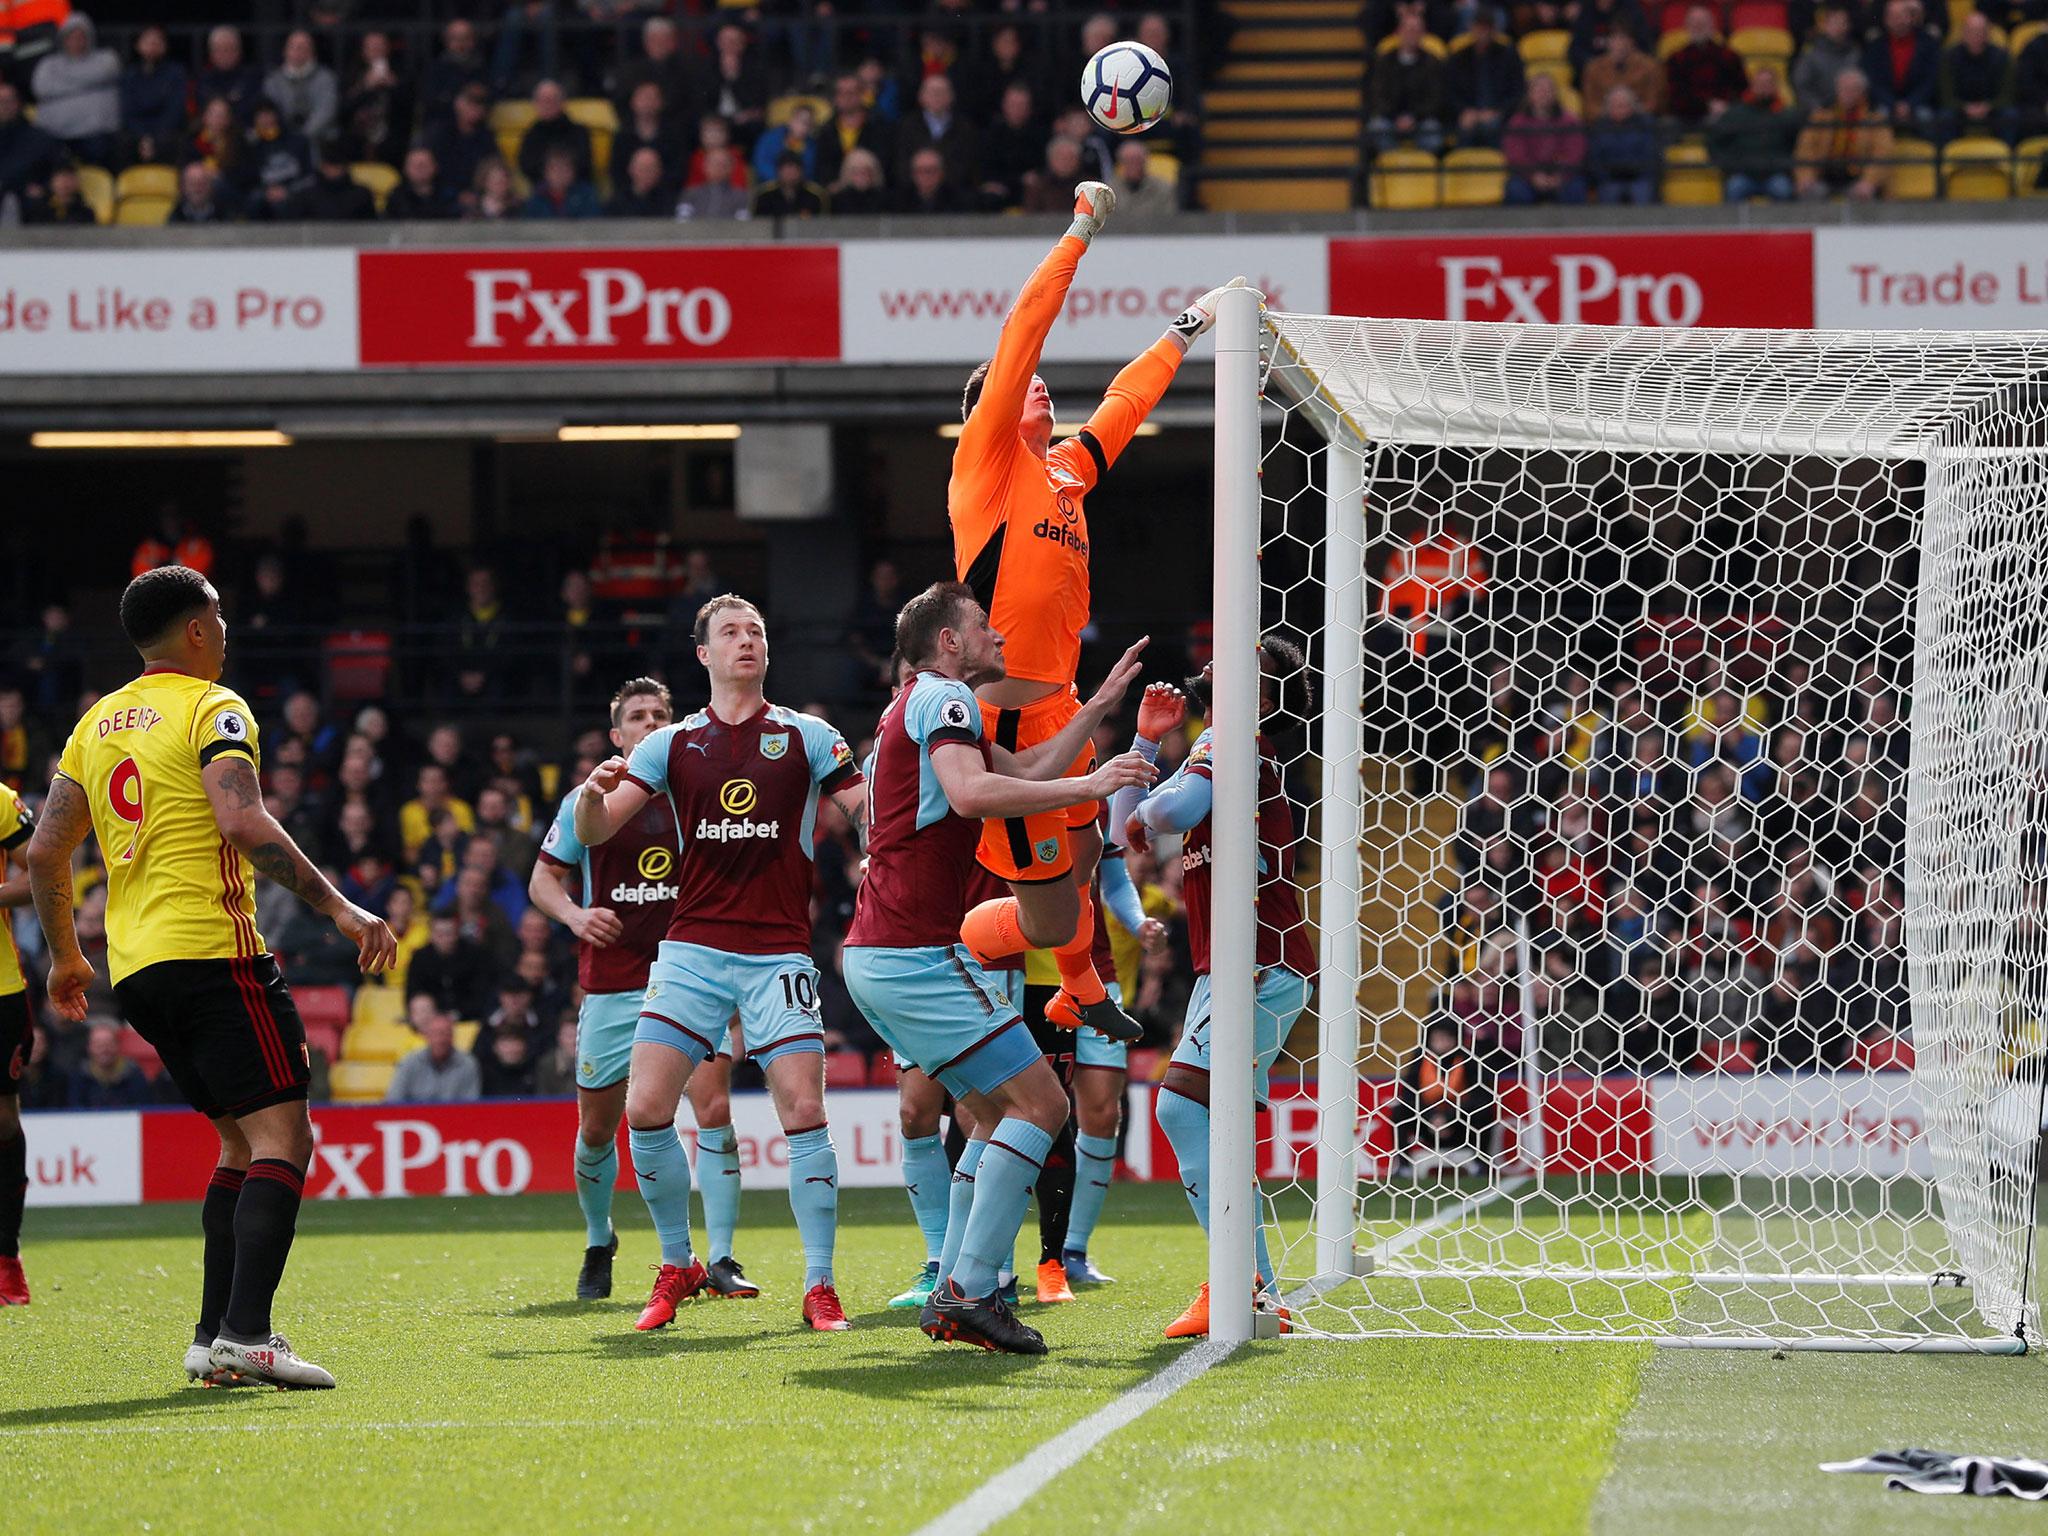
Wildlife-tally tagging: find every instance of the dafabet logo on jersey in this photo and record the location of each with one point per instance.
(656, 863)
(737, 798)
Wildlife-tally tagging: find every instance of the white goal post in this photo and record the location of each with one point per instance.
(1674, 831)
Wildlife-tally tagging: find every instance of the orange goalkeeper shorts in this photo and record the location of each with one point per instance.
(1025, 850)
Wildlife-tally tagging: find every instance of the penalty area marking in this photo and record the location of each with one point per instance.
(1013, 1487)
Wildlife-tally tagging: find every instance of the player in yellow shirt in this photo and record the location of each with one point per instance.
(16, 826)
(163, 772)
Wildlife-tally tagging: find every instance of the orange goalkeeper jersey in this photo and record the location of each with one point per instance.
(1020, 535)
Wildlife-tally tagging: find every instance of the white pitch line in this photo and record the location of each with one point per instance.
(272, 1424)
(1012, 1488)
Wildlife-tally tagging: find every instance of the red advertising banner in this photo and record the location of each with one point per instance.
(1588, 279)
(668, 304)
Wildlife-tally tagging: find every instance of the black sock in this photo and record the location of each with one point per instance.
(13, 1192)
(217, 1221)
(266, 1215)
(1056, 1194)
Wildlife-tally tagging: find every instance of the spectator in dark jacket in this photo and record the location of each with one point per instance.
(1404, 95)
(1011, 149)
(1976, 83)
(1704, 76)
(106, 1079)
(660, 64)
(789, 195)
(275, 166)
(202, 199)
(552, 129)
(1596, 19)
(228, 73)
(464, 142)
(927, 190)
(455, 972)
(860, 187)
(377, 108)
(1486, 82)
(937, 124)
(333, 196)
(419, 193)
(459, 65)
(1830, 48)
(649, 124)
(2030, 87)
(853, 126)
(1903, 63)
(153, 98)
(734, 84)
(61, 202)
(644, 191)
(1751, 142)
(1442, 1101)
(27, 154)
(1545, 148)
(1622, 155)
(562, 194)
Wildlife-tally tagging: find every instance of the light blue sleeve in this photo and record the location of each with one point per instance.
(1180, 803)
(940, 704)
(649, 763)
(1120, 895)
(824, 747)
(561, 844)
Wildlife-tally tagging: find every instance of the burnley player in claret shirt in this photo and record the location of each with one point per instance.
(742, 778)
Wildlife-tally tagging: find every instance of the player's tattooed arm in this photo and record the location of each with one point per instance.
(65, 821)
(237, 800)
(853, 800)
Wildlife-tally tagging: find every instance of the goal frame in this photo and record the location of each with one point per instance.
(1242, 337)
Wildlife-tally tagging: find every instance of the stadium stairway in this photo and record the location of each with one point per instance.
(1281, 119)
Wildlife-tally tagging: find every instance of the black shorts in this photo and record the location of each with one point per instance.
(1057, 1043)
(227, 1031)
(14, 1042)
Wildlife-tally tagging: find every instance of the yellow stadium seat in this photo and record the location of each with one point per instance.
(1764, 45)
(466, 1031)
(1690, 178)
(1670, 43)
(1912, 173)
(593, 112)
(144, 208)
(146, 181)
(1405, 178)
(2024, 34)
(1166, 167)
(1550, 46)
(1559, 70)
(508, 144)
(2028, 158)
(783, 108)
(1431, 44)
(379, 1042)
(1475, 178)
(359, 1082)
(1957, 10)
(375, 177)
(513, 117)
(96, 186)
(378, 1005)
(1976, 170)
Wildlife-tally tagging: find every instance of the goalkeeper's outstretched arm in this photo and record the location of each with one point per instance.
(991, 428)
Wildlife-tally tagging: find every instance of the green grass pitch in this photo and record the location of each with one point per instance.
(475, 1397)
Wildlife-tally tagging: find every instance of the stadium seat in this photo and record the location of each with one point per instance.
(144, 209)
(1431, 45)
(1670, 42)
(508, 144)
(593, 112)
(514, 117)
(359, 1082)
(1552, 45)
(1957, 10)
(1690, 177)
(2024, 34)
(377, 1004)
(358, 664)
(146, 181)
(1976, 170)
(882, 1071)
(323, 1005)
(1166, 167)
(466, 1031)
(1912, 179)
(1405, 178)
(846, 1069)
(1475, 178)
(142, 1053)
(379, 1041)
(375, 177)
(96, 186)
(325, 1039)
(1763, 45)
(1759, 13)
(2027, 167)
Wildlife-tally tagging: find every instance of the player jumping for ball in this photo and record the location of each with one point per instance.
(1020, 543)
(743, 777)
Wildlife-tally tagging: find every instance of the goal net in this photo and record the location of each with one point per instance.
(1674, 815)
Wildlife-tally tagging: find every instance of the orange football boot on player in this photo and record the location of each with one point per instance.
(1052, 1283)
(1194, 1322)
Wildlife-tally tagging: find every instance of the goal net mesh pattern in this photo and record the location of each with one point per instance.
(1698, 861)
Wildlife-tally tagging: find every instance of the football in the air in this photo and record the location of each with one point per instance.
(1126, 88)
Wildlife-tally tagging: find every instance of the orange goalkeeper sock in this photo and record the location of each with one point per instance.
(993, 932)
(1076, 958)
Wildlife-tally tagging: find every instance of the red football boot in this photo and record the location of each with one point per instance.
(13, 1284)
(822, 1310)
(672, 1287)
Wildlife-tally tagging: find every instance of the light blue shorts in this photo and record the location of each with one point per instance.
(1281, 996)
(1098, 1050)
(1007, 985)
(940, 1011)
(604, 1038)
(693, 991)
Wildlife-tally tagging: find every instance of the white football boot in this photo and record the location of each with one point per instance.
(273, 1361)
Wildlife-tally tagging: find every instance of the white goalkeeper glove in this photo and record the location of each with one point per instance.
(1093, 203)
(1201, 314)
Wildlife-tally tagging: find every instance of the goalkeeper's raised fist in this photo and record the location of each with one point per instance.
(1093, 202)
(1201, 314)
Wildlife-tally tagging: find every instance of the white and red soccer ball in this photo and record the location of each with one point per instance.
(1126, 88)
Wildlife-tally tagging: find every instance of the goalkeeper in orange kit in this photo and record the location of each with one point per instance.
(1020, 541)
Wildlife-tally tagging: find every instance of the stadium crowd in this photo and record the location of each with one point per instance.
(542, 112)
(433, 818)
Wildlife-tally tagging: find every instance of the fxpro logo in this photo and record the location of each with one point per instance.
(503, 299)
(737, 798)
(1574, 287)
